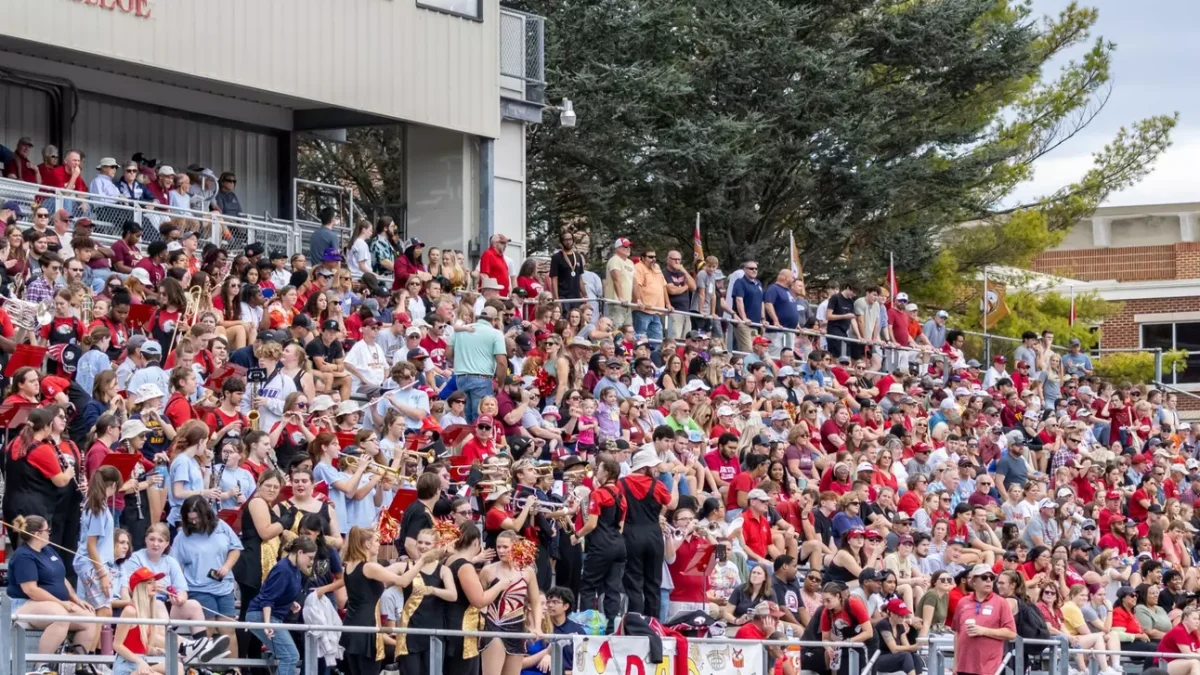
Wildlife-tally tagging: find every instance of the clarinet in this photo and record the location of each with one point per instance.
(67, 462)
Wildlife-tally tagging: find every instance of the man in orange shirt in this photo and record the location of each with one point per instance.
(649, 297)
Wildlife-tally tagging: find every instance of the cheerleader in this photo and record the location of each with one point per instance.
(430, 588)
(506, 614)
(365, 580)
(466, 612)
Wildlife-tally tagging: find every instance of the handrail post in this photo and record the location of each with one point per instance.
(556, 657)
(437, 655)
(18, 648)
(1019, 649)
(937, 660)
(852, 654)
(1158, 365)
(171, 652)
(312, 655)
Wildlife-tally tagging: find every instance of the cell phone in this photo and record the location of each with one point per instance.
(212, 574)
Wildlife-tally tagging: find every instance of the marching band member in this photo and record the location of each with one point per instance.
(304, 502)
(604, 566)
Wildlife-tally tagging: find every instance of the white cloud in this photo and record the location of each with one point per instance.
(1171, 181)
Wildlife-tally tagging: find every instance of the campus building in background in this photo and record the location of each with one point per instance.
(1148, 259)
(233, 86)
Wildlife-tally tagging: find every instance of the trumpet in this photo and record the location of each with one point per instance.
(542, 505)
(350, 462)
(428, 456)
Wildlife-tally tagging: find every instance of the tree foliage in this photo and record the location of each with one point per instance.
(1031, 310)
(1138, 367)
(864, 127)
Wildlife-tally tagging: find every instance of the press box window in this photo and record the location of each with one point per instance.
(469, 9)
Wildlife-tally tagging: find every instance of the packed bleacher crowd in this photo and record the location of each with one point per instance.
(231, 435)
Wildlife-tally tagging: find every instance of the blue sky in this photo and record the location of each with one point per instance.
(1156, 68)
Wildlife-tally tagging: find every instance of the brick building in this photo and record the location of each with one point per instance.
(1148, 258)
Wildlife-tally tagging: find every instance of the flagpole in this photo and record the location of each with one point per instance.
(987, 343)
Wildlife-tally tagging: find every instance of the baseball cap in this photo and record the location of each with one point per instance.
(896, 606)
(143, 574)
(760, 440)
(981, 570)
(1047, 504)
(865, 466)
(943, 314)
(331, 254)
(902, 298)
(301, 321)
(911, 307)
(166, 170)
(330, 324)
(762, 341)
(622, 242)
(15, 206)
(255, 248)
(725, 411)
(1075, 342)
(758, 494)
(695, 436)
(868, 574)
(904, 539)
(767, 608)
(152, 347)
(485, 421)
(1080, 544)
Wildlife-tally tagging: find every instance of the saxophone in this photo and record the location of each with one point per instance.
(85, 310)
(252, 416)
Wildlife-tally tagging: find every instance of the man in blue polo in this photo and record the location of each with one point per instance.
(480, 359)
(747, 305)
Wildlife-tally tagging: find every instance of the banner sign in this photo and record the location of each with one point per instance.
(631, 656)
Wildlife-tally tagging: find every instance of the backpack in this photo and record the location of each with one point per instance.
(1031, 625)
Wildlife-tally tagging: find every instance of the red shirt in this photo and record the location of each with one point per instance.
(22, 168)
(743, 482)
(1179, 635)
(717, 430)
(493, 264)
(688, 571)
(756, 532)
(1113, 541)
(830, 428)
(477, 451)
(179, 410)
(495, 518)
(726, 469)
(156, 271)
(436, 349)
(1136, 510)
(640, 485)
(748, 631)
(909, 502)
(603, 497)
(1122, 618)
(852, 607)
(216, 420)
(60, 179)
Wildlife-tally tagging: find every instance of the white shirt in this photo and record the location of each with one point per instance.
(370, 361)
(281, 277)
(252, 314)
(65, 250)
(360, 258)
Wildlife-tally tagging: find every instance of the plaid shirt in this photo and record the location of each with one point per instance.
(381, 249)
(39, 290)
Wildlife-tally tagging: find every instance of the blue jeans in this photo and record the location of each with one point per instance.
(281, 645)
(668, 480)
(649, 325)
(476, 388)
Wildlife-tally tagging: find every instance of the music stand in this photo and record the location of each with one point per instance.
(139, 315)
(26, 355)
(214, 382)
(233, 518)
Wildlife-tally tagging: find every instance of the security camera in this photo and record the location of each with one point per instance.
(566, 115)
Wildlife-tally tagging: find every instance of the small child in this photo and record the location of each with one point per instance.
(587, 425)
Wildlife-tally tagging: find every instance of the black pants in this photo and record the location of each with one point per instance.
(543, 567)
(568, 572)
(247, 643)
(137, 524)
(643, 569)
(410, 664)
(602, 572)
(365, 665)
(456, 665)
(905, 662)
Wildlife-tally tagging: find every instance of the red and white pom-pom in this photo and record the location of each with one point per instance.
(524, 553)
(447, 532)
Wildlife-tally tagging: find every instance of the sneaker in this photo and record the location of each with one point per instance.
(203, 650)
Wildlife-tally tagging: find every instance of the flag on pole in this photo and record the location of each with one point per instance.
(794, 256)
(697, 246)
(1071, 317)
(893, 286)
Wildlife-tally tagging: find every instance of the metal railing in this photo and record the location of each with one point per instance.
(310, 197)
(523, 51)
(109, 216)
(21, 659)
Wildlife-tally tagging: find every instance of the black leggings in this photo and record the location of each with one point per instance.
(903, 662)
(410, 664)
(643, 570)
(367, 665)
(602, 574)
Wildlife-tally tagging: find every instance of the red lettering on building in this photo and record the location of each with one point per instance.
(139, 8)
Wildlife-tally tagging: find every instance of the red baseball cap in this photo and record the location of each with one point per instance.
(143, 574)
(920, 447)
(762, 341)
(52, 386)
(485, 421)
(897, 606)
(856, 532)
(1000, 359)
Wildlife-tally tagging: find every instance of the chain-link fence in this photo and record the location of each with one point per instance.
(110, 216)
(523, 51)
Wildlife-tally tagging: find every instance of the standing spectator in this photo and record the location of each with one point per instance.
(366, 362)
(358, 259)
(899, 321)
(868, 322)
(566, 270)
(680, 287)
(19, 167)
(982, 627)
(49, 164)
(493, 264)
(325, 237)
(705, 300)
(105, 183)
(649, 296)
(1075, 362)
(781, 311)
(69, 175)
(1028, 353)
(479, 358)
(747, 297)
(840, 318)
(935, 329)
(618, 283)
(226, 200)
(383, 246)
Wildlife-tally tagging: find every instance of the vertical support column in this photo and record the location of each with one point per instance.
(556, 658)
(1187, 227)
(851, 653)
(1158, 365)
(18, 649)
(487, 192)
(1101, 232)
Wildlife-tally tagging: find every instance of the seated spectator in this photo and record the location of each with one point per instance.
(20, 167)
(226, 200)
(104, 185)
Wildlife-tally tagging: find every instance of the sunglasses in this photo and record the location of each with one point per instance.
(986, 577)
(484, 428)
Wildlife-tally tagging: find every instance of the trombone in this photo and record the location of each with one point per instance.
(191, 312)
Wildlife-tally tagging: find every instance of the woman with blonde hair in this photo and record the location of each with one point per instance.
(507, 614)
(132, 641)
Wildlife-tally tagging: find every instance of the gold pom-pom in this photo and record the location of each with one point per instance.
(524, 553)
(447, 532)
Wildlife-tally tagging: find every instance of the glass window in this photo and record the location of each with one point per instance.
(471, 9)
(1176, 336)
